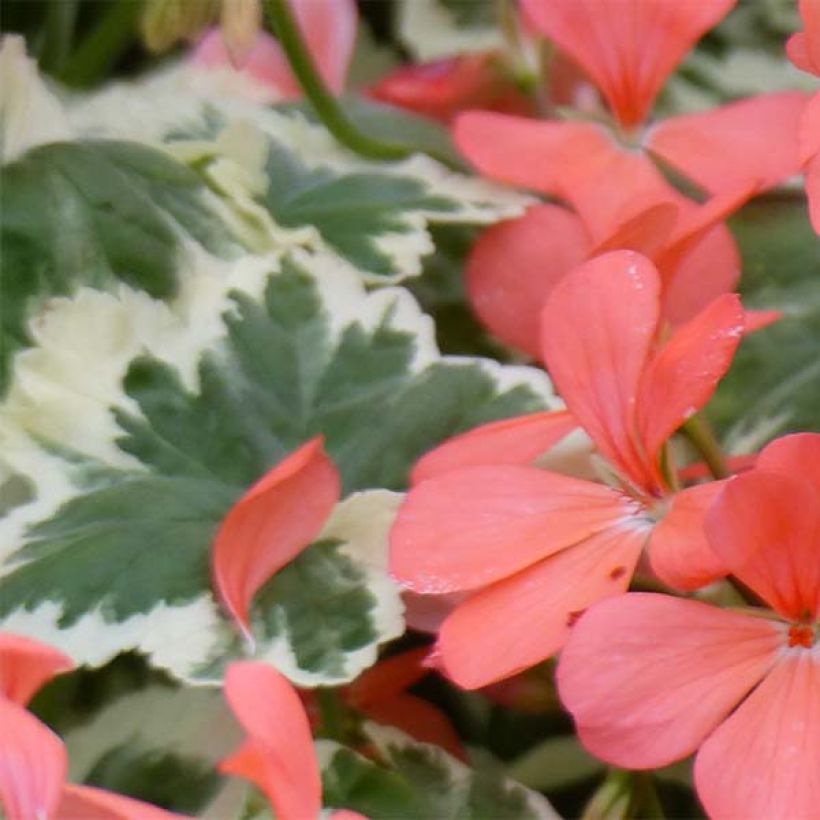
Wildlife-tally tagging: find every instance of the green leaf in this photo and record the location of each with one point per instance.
(158, 744)
(419, 780)
(129, 493)
(774, 384)
(93, 213)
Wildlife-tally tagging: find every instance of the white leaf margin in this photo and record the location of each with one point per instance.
(430, 32)
(93, 336)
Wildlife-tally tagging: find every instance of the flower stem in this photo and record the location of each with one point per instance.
(701, 437)
(317, 93)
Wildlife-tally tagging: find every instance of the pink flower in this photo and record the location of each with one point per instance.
(618, 195)
(651, 679)
(804, 51)
(277, 756)
(270, 525)
(33, 760)
(329, 28)
(536, 548)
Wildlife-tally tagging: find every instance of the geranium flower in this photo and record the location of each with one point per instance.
(329, 29)
(651, 679)
(514, 265)
(33, 760)
(804, 51)
(277, 756)
(629, 48)
(536, 547)
(270, 525)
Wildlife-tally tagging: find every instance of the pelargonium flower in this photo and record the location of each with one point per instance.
(629, 48)
(804, 51)
(33, 760)
(277, 755)
(514, 265)
(651, 678)
(535, 547)
(329, 28)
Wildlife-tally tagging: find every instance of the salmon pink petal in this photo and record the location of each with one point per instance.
(265, 61)
(796, 455)
(647, 232)
(425, 613)
(474, 526)
(766, 528)
(759, 134)
(519, 440)
(628, 47)
(524, 619)
(329, 28)
(576, 161)
(419, 719)
(271, 524)
(26, 665)
(647, 677)
(33, 764)
(443, 88)
(708, 269)
(679, 551)
(596, 332)
(804, 48)
(513, 267)
(388, 678)
(681, 378)
(758, 319)
(88, 803)
(278, 755)
(767, 754)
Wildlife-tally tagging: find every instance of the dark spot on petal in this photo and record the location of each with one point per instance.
(617, 572)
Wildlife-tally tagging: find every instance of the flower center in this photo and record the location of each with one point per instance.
(801, 635)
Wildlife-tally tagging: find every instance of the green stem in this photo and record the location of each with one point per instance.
(701, 437)
(322, 100)
(55, 46)
(332, 713)
(103, 45)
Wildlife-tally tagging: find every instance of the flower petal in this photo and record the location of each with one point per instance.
(766, 528)
(278, 755)
(519, 440)
(796, 455)
(26, 665)
(88, 803)
(681, 378)
(33, 764)
(271, 524)
(679, 551)
(708, 269)
(265, 61)
(474, 526)
(803, 48)
(647, 676)
(443, 88)
(524, 619)
(329, 28)
(388, 678)
(576, 161)
(628, 47)
(767, 754)
(513, 267)
(759, 134)
(596, 331)
(419, 719)
(813, 191)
